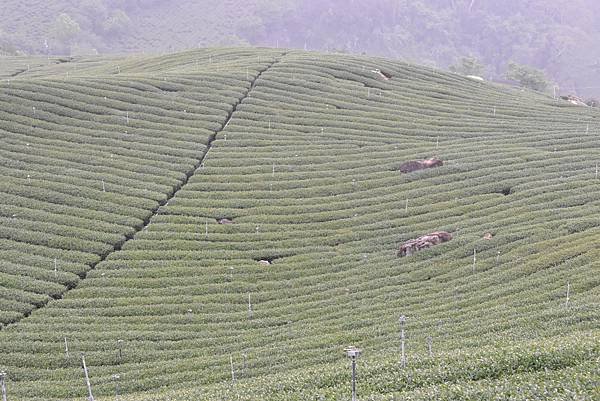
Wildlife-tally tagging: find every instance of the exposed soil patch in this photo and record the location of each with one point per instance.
(412, 246)
(415, 165)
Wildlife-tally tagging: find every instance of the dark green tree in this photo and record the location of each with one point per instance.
(468, 66)
(527, 77)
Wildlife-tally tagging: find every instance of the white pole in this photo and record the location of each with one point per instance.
(66, 349)
(55, 268)
(474, 258)
(568, 291)
(250, 313)
(402, 354)
(87, 379)
(206, 229)
(406, 206)
(103, 186)
(3, 384)
(232, 371)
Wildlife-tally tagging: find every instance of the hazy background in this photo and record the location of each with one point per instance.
(559, 37)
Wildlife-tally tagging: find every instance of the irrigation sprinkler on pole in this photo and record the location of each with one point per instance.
(568, 291)
(87, 378)
(3, 384)
(116, 379)
(55, 268)
(596, 170)
(353, 353)
(206, 229)
(103, 186)
(406, 206)
(474, 259)
(402, 338)
(273, 170)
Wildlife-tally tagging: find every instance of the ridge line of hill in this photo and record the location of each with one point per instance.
(188, 174)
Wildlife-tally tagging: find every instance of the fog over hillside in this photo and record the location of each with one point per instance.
(559, 37)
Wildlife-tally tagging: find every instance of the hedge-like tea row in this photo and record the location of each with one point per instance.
(85, 162)
(307, 170)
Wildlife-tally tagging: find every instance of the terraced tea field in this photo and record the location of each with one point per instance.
(117, 172)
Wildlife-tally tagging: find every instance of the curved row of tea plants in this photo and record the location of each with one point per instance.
(307, 170)
(85, 162)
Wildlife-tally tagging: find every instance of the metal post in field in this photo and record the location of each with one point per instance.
(568, 293)
(429, 346)
(120, 347)
(474, 258)
(116, 379)
(353, 353)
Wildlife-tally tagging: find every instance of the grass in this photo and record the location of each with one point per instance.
(301, 151)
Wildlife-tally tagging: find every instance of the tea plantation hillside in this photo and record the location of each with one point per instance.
(220, 224)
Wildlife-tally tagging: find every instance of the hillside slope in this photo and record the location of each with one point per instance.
(301, 151)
